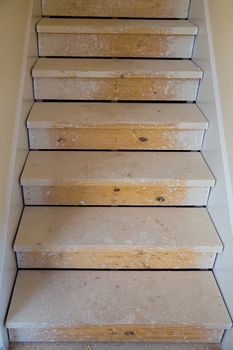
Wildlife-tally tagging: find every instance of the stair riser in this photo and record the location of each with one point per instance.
(117, 8)
(116, 89)
(107, 45)
(116, 194)
(123, 333)
(116, 138)
(112, 346)
(94, 258)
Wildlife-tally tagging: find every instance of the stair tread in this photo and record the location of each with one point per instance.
(70, 168)
(115, 26)
(77, 298)
(111, 346)
(76, 115)
(158, 229)
(115, 68)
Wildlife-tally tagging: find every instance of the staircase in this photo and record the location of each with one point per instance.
(115, 242)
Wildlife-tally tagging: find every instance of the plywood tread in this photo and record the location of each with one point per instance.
(75, 168)
(92, 298)
(115, 26)
(104, 115)
(115, 68)
(117, 8)
(111, 346)
(159, 229)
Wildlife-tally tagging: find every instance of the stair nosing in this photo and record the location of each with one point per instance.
(99, 68)
(115, 26)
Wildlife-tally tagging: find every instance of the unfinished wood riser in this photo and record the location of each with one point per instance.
(116, 89)
(108, 45)
(116, 194)
(121, 258)
(123, 138)
(123, 333)
(117, 8)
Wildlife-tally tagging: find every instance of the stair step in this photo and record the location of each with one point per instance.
(116, 178)
(111, 346)
(120, 306)
(115, 79)
(112, 126)
(116, 38)
(117, 8)
(116, 238)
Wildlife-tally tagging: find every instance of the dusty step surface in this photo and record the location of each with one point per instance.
(116, 178)
(84, 306)
(115, 79)
(111, 346)
(116, 126)
(116, 38)
(117, 8)
(116, 238)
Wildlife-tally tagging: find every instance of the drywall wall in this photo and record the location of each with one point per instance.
(221, 21)
(18, 55)
(216, 149)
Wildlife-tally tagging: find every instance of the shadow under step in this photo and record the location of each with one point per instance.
(117, 306)
(116, 238)
(116, 178)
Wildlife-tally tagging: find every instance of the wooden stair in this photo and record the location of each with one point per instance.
(116, 178)
(115, 79)
(117, 8)
(116, 38)
(129, 306)
(116, 126)
(116, 247)
(121, 238)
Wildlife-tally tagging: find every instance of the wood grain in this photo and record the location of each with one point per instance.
(123, 333)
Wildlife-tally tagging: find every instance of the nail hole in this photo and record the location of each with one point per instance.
(117, 189)
(61, 140)
(129, 333)
(160, 199)
(143, 139)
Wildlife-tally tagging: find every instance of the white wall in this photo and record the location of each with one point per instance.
(18, 55)
(214, 148)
